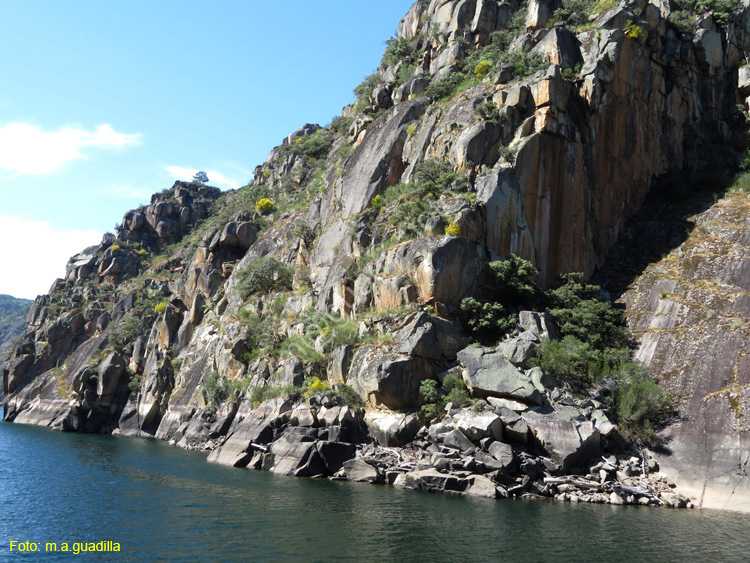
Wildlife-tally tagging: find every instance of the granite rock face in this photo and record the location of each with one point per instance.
(690, 312)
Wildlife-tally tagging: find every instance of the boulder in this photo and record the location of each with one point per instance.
(359, 471)
(457, 439)
(559, 47)
(503, 453)
(478, 144)
(476, 426)
(392, 430)
(431, 481)
(295, 454)
(238, 450)
(568, 443)
(389, 379)
(520, 349)
(540, 11)
(490, 374)
(444, 269)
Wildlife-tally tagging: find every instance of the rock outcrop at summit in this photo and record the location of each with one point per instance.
(279, 326)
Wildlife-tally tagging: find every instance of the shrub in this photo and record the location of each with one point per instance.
(405, 72)
(488, 111)
(134, 383)
(453, 391)
(632, 30)
(638, 403)
(264, 206)
(340, 125)
(160, 307)
(364, 91)
(439, 89)
(124, 333)
(213, 391)
(482, 68)
(512, 281)
(486, 319)
(571, 73)
(579, 309)
(316, 385)
(575, 13)
(349, 395)
(453, 229)
(411, 129)
(142, 252)
(397, 49)
(263, 275)
(305, 231)
(115, 247)
(377, 202)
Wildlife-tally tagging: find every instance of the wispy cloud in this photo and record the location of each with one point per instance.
(130, 192)
(26, 149)
(28, 274)
(214, 178)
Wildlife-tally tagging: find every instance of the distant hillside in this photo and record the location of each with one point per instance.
(12, 321)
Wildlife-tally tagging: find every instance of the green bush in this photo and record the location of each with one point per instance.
(638, 403)
(397, 49)
(364, 91)
(350, 396)
(263, 275)
(488, 111)
(340, 125)
(578, 309)
(435, 399)
(124, 334)
(486, 320)
(160, 307)
(213, 391)
(511, 287)
(444, 87)
(513, 278)
(575, 13)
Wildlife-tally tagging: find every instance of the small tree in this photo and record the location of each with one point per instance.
(201, 177)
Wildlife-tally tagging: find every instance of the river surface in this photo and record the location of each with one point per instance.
(161, 503)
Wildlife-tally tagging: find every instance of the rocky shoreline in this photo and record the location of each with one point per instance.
(463, 455)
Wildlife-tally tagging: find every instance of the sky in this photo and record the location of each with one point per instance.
(103, 103)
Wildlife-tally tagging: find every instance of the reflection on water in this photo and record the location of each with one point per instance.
(165, 504)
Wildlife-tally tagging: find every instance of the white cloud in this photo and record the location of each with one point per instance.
(33, 254)
(26, 149)
(214, 178)
(130, 192)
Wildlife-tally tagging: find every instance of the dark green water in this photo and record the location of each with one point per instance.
(165, 504)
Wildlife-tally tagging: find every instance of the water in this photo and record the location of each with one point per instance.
(165, 504)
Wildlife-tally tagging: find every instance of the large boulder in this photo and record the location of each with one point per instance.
(488, 373)
(476, 426)
(444, 269)
(570, 444)
(391, 429)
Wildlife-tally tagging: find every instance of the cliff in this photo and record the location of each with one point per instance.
(355, 254)
(12, 321)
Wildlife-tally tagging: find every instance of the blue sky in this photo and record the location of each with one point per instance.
(106, 102)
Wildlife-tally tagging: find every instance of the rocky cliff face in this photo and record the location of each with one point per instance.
(12, 316)
(489, 129)
(690, 311)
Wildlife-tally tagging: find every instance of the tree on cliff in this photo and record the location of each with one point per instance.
(201, 177)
